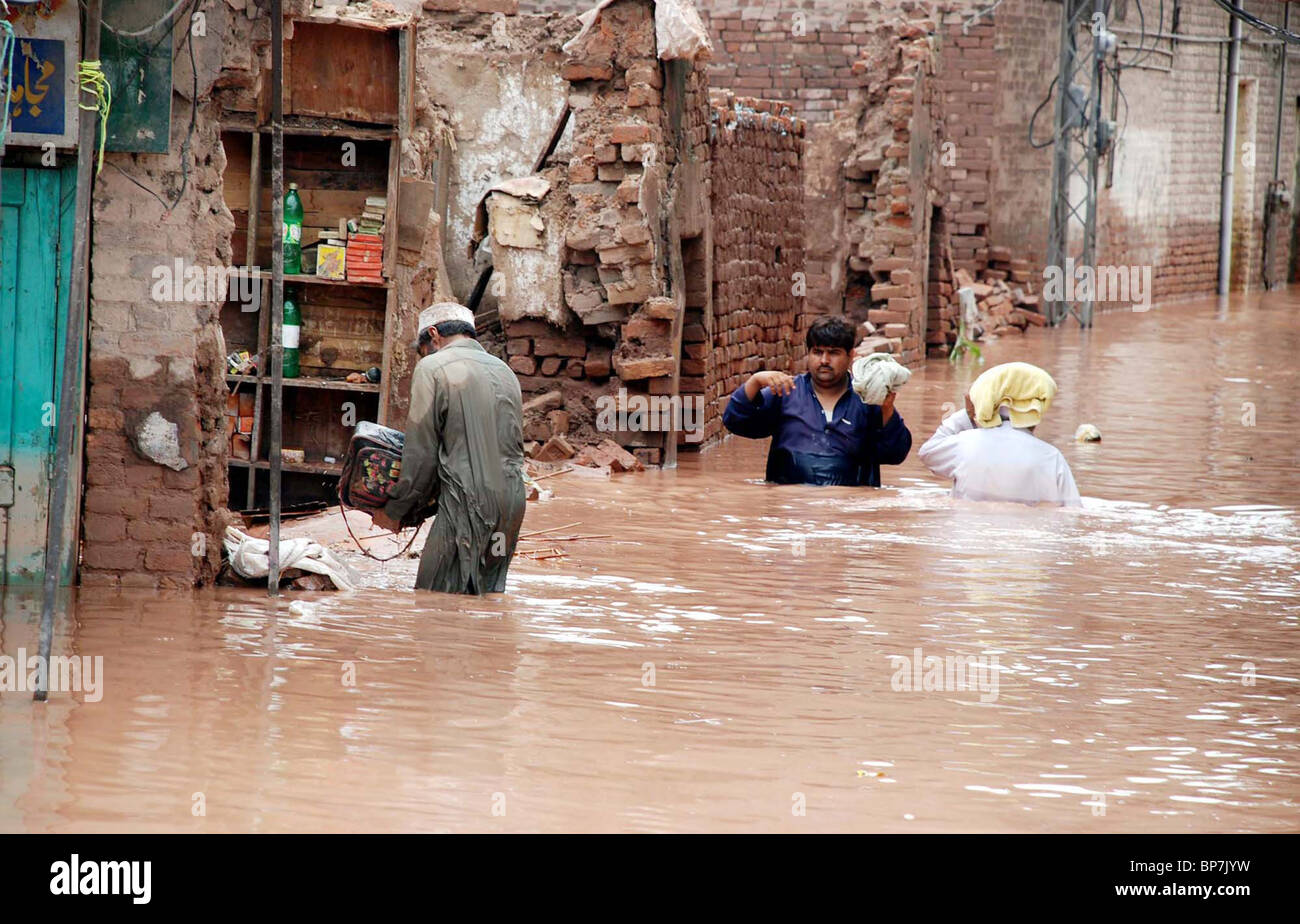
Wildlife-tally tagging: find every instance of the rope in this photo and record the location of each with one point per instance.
(366, 552)
(92, 80)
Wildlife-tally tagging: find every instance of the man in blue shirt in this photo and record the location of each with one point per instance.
(822, 433)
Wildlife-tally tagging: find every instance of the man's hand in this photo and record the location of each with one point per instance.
(779, 382)
(384, 521)
(970, 408)
(887, 408)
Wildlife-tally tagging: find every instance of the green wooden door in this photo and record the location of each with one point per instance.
(35, 256)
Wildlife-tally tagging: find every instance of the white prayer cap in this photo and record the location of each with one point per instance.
(441, 312)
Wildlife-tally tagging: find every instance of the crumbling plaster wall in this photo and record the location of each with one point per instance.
(497, 78)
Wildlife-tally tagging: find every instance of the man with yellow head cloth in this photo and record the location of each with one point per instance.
(989, 450)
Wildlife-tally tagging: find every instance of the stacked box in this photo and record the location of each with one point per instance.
(365, 258)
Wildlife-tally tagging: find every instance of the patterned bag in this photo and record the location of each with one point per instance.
(372, 467)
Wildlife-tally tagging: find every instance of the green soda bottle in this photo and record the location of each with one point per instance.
(289, 333)
(292, 231)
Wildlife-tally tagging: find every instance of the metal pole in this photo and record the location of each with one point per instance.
(74, 335)
(1059, 216)
(1281, 95)
(1272, 205)
(1229, 154)
(1099, 7)
(277, 289)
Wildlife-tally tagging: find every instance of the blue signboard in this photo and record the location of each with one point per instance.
(36, 87)
(41, 93)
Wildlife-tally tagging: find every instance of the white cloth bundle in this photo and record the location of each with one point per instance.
(250, 558)
(876, 375)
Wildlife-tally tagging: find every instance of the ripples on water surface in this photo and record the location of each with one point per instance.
(695, 673)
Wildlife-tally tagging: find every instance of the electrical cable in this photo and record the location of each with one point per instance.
(1267, 28)
(1143, 52)
(1139, 54)
(169, 17)
(1047, 99)
(1124, 99)
(1142, 33)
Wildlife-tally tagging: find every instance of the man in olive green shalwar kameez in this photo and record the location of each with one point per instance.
(464, 448)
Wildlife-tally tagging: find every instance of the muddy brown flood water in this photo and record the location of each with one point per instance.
(698, 673)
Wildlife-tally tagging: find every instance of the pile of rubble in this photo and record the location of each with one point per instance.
(552, 435)
(1005, 300)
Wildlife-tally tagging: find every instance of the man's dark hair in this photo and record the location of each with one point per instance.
(455, 328)
(833, 331)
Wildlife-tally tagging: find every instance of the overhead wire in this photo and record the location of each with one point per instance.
(169, 18)
(1267, 28)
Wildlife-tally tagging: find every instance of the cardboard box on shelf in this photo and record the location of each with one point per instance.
(331, 261)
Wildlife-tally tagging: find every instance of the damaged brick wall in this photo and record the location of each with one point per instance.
(888, 180)
(1159, 201)
(758, 233)
(637, 170)
(801, 51)
(154, 507)
(967, 87)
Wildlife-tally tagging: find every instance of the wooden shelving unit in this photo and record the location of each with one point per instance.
(347, 102)
(307, 381)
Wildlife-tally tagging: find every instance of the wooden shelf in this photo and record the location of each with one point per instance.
(372, 105)
(334, 469)
(355, 22)
(294, 279)
(329, 128)
(307, 381)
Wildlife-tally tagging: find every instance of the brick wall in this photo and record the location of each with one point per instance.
(1026, 45)
(730, 171)
(796, 50)
(1160, 205)
(967, 94)
(145, 523)
(757, 208)
(888, 179)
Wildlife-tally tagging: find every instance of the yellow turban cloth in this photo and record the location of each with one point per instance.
(1023, 389)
